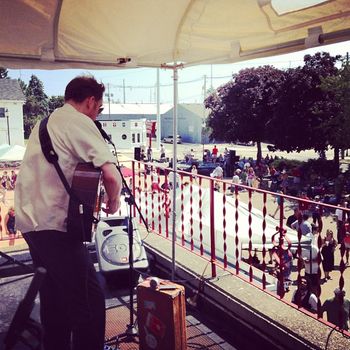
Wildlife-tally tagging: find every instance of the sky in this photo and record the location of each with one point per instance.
(140, 83)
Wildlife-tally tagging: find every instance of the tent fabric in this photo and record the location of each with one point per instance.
(53, 34)
(11, 153)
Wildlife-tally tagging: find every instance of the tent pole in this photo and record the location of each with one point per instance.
(175, 78)
(159, 128)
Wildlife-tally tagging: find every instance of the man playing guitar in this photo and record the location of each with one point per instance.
(71, 299)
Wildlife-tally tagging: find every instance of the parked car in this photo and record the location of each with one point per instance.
(170, 139)
(242, 143)
(203, 168)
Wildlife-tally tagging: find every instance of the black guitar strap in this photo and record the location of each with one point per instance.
(52, 157)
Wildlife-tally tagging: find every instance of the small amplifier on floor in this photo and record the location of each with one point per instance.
(112, 245)
(161, 314)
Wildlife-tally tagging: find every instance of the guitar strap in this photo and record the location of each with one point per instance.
(52, 157)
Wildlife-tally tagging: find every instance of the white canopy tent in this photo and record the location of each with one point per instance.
(54, 34)
(11, 153)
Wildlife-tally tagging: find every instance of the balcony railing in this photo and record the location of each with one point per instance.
(244, 231)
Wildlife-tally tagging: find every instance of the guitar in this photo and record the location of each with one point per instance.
(85, 205)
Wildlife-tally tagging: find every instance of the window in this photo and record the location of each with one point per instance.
(138, 137)
(124, 137)
(136, 125)
(114, 125)
(104, 124)
(2, 112)
(123, 125)
(133, 138)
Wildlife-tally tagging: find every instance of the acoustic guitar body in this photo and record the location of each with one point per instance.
(86, 187)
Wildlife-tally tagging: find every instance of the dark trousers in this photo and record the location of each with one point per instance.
(72, 305)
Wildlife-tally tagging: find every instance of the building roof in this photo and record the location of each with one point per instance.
(135, 108)
(148, 110)
(11, 90)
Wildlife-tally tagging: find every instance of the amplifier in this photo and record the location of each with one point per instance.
(112, 245)
(161, 315)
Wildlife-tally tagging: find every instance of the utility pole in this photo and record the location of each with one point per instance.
(124, 91)
(109, 103)
(8, 126)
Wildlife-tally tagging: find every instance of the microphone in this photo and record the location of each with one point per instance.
(103, 133)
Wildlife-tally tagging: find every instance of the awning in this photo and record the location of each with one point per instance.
(52, 34)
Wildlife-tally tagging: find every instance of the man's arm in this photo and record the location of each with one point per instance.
(113, 184)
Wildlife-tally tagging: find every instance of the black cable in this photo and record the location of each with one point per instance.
(16, 280)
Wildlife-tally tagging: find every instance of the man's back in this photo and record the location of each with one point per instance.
(336, 313)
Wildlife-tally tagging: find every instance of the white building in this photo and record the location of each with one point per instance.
(126, 134)
(11, 112)
(126, 123)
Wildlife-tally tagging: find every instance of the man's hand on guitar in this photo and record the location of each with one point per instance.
(112, 206)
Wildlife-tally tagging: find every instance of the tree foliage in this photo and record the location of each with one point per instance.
(242, 109)
(337, 128)
(289, 108)
(36, 105)
(55, 102)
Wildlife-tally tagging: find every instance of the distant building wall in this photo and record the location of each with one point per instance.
(13, 126)
(126, 134)
(189, 125)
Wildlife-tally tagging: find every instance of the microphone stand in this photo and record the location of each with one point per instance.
(131, 332)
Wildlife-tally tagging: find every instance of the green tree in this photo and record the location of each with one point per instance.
(36, 105)
(55, 102)
(3, 73)
(303, 107)
(242, 109)
(337, 128)
(23, 86)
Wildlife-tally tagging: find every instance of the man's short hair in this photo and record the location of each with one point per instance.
(82, 87)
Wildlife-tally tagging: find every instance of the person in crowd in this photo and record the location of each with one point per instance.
(341, 217)
(283, 257)
(304, 205)
(293, 217)
(10, 223)
(217, 174)
(346, 243)
(327, 252)
(278, 201)
(250, 177)
(337, 309)
(310, 256)
(142, 156)
(149, 154)
(305, 225)
(284, 181)
(236, 180)
(194, 173)
(304, 297)
(162, 152)
(71, 299)
(214, 154)
(13, 179)
(5, 181)
(155, 181)
(316, 213)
